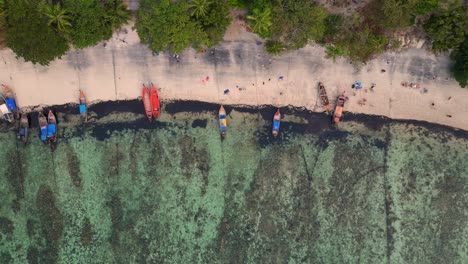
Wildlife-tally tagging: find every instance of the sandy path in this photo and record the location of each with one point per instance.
(116, 72)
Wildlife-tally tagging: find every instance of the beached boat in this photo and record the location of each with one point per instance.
(51, 127)
(276, 123)
(42, 120)
(146, 102)
(340, 101)
(23, 128)
(83, 108)
(154, 98)
(222, 121)
(324, 97)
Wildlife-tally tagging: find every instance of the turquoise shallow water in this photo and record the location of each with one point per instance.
(125, 191)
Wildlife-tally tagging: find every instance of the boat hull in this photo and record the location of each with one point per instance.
(23, 129)
(43, 127)
(51, 127)
(222, 121)
(146, 102)
(338, 113)
(276, 123)
(155, 105)
(83, 108)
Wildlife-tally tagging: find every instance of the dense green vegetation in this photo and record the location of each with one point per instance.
(177, 25)
(460, 68)
(41, 31)
(29, 34)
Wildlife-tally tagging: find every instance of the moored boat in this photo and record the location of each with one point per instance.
(146, 102)
(324, 97)
(42, 120)
(340, 102)
(222, 121)
(155, 105)
(83, 108)
(23, 128)
(51, 127)
(10, 103)
(276, 123)
(6, 113)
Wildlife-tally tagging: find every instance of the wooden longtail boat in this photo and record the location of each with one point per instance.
(51, 127)
(340, 102)
(23, 128)
(276, 123)
(83, 108)
(10, 113)
(146, 102)
(43, 126)
(155, 106)
(324, 97)
(222, 121)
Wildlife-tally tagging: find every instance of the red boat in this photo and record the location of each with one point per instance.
(146, 102)
(155, 107)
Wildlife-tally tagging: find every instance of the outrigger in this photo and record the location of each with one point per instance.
(340, 102)
(276, 123)
(222, 121)
(324, 97)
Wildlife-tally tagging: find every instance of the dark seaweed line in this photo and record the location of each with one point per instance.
(389, 219)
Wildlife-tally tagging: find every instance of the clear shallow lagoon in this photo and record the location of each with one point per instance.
(123, 190)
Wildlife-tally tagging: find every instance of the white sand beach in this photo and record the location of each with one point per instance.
(116, 71)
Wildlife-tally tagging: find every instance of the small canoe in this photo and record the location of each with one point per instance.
(83, 108)
(339, 108)
(43, 126)
(51, 127)
(146, 102)
(222, 121)
(23, 128)
(324, 97)
(155, 106)
(276, 123)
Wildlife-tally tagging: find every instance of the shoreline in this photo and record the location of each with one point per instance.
(315, 122)
(116, 72)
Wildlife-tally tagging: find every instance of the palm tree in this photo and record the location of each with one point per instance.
(334, 52)
(117, 15)
(261, 20)
(57, 17)
(200, 7)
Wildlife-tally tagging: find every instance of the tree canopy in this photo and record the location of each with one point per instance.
(29, 33)
(176, 25)
(92, 21)
(40, 31)
(448, 29)
(460, 68)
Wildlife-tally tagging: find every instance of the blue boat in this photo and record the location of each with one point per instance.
(222, 121)
(276, 123)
